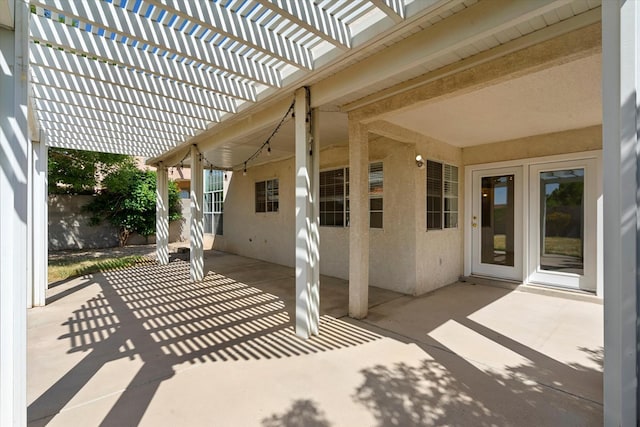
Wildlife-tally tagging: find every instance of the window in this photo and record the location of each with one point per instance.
(213, 201)
(375, 195)
(334, 197)
(442, 196)
(267, 195)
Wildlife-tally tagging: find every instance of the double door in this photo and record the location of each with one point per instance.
(536, 223)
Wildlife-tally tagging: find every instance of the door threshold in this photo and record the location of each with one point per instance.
(572, 294)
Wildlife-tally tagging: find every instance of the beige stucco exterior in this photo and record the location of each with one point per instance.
(403, 255)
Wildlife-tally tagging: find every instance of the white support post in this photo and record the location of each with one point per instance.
(40, 241)
(358, 220)
(162, 214)
(196, 231)
(15, 150)
(307, 225)
(620, 76)
(314, 213)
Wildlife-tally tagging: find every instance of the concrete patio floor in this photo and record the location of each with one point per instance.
(144, 346)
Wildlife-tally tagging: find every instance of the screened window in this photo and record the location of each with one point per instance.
(267, 195)
(213, 201)
(442, 195)
(334, 197)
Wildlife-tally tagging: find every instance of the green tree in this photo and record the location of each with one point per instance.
(128, 201)
(80, 172)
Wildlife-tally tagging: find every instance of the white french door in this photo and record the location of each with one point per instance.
(496, 222)
(562, 224)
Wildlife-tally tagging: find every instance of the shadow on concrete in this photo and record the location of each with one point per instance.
(157, 314)
(303, 412)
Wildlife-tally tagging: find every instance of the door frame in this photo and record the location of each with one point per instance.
(490, 270)
(586, 281)
(596, 155)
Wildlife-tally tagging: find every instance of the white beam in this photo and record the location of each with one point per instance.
(358, 220)
(394, 9)
(307, 289)
(443, 38)
(50, 94)
(59, 60)
(221, 20)
(15, 148)
(6, 13)
(621, 121)
(40, 242)
(146, 31)
(196, 229)
(107, 135)
(313, 19)
(55, 119)
(81, 85)
(44, 108)
(162, 215)
(81, 142)
(60, 35)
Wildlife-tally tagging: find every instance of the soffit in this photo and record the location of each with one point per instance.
(564, 97)
(148, 77)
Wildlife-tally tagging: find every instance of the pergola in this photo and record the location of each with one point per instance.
(196, 81)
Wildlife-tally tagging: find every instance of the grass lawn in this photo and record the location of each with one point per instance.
(569, 246)
(563, 246)
(73, 266)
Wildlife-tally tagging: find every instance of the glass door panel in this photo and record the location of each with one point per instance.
(497, 220)
(563, 224)
(497, 223)
(562, 220)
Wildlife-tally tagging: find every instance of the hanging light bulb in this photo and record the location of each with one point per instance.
(244, 173)
(268, 149)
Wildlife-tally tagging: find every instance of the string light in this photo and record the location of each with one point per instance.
(254, 156)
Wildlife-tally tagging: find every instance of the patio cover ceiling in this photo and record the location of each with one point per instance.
(143, 77)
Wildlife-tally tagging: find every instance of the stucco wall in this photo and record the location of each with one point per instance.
(267, 236)
(439, 253)
(571, 141)
(270, 236)
(69, 226)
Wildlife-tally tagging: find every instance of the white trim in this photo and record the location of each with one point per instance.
(527, 163)
(587, 280)
(514, 272)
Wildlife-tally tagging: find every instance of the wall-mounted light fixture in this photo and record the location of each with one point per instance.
(419, 161)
